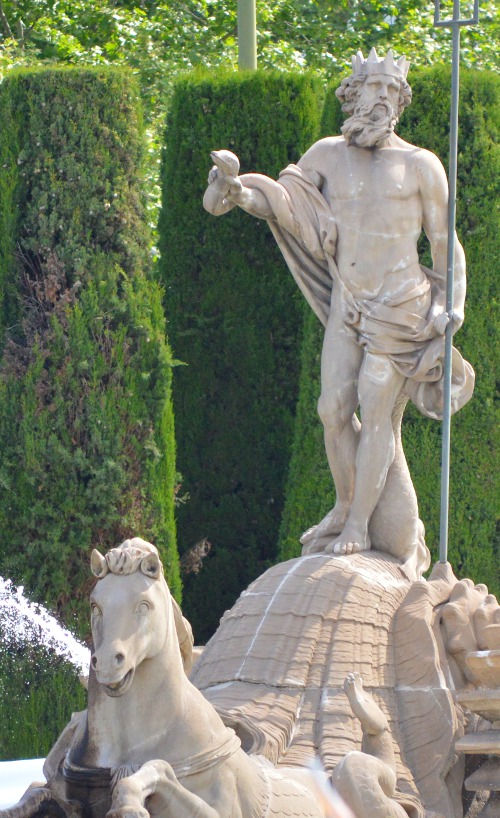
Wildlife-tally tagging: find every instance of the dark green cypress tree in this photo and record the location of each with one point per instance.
(86, 427)
(473, 544)
(235, 318)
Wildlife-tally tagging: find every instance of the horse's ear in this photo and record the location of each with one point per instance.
(184, 635)
(151, 566)
(98, 564)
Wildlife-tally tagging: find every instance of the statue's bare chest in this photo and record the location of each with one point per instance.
(363, 176)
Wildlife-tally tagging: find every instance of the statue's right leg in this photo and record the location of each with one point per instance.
(341, 360)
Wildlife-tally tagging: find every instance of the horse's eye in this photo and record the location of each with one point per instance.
(143, 608)
(95, 609)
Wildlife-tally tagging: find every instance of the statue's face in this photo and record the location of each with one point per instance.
(379, 89)
(375, 112)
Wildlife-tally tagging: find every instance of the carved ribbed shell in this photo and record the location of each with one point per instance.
(277, 665)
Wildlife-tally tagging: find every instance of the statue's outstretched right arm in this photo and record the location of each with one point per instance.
(253, 192)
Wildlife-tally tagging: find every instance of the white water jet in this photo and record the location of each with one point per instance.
(22, 621)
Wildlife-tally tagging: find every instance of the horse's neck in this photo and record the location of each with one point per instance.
(161, 716)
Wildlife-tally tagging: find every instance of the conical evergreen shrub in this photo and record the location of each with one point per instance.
(86, 427)
(235, 319)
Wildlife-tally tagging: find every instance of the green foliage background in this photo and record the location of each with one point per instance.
(38, 693)
(86, 427)
(235, 318)
(474, 547)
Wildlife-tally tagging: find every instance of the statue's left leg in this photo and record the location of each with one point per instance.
(366, 784)
(157, 783)
(378, 387)
(367, 780)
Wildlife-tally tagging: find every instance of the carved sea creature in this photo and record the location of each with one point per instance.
(148, 734)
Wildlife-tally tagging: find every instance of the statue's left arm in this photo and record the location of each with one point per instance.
(433, 190)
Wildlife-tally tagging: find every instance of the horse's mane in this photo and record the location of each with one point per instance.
(127, 558)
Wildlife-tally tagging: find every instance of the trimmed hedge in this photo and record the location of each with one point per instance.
(38, 693)
(235, 318)
(473, 549)
(86, 425)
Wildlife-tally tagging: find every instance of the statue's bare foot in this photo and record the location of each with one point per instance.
(315, 539)
(351, 541)
(314, 547)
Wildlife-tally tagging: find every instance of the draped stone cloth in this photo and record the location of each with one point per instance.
(305, 230)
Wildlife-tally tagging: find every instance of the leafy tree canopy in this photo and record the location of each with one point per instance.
(161, 39)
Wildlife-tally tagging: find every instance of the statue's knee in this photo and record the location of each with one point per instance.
(333, 412)
(348, 769)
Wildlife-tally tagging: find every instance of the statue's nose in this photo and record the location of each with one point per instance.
(117, 660)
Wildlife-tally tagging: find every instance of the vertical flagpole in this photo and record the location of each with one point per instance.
(247, 35)
(455, 24)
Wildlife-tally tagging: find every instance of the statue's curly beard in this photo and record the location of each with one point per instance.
(370, 125)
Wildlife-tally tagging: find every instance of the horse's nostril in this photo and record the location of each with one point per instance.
(120, 658)
(93, 662)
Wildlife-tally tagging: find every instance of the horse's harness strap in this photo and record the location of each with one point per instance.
(209, 758)
(182, 769)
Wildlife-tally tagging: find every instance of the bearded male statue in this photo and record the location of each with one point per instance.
(347, 218)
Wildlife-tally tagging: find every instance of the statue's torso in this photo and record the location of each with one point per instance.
(374, 197)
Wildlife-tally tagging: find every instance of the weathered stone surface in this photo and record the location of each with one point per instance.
(339, 615)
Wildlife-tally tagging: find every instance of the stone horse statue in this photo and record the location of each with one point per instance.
(149, 742)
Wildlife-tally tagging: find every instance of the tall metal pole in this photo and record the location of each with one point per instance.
(247, 35)
(455, 24)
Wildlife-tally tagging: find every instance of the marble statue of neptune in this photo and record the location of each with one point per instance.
(347, 218)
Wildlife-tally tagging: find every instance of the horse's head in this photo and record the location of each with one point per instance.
(132, 614)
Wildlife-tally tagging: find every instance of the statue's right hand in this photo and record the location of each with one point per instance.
(216, 199)
(212, 176)
(235, 192)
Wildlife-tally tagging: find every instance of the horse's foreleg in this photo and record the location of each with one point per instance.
(156, 784)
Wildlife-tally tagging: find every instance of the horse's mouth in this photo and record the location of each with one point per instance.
(119, 688)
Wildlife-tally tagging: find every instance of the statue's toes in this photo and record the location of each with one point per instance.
(353, 686)
(358, 682)
(349, 682)
(349, 547)
(337, 548)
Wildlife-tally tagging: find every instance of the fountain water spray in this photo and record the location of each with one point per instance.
(24, 622)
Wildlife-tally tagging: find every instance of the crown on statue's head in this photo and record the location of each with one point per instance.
(374, 65)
